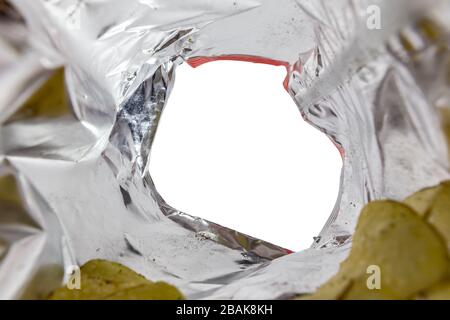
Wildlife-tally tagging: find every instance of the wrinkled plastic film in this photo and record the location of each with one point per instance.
(77, 173)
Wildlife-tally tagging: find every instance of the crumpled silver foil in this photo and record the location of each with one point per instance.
(78, 181)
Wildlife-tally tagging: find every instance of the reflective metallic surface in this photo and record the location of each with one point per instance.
(74, 145)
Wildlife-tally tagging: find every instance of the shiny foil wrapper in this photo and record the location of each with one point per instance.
(83, 84)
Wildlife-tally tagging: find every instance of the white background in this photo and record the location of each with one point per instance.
(233, 148)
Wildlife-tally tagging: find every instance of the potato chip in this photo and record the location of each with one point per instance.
(3, 247)
(390, 237)
(422, 200)
(333, 289)
(49, 101)
(102, 279)
(439, 214)
(359, 290)
(410, 255)
(440, 291)
(152, 291)
(434, 205)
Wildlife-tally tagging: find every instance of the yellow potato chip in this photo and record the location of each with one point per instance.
(392, 238)
(409, 253)
(422, 200)
(112, 272)
(440, 291)
(102, 279)
(361, 290)
(3, 247)
(433, 204)
(439, 214)
(49, 101)
(9, 191)
(333, 289)
(152, 291)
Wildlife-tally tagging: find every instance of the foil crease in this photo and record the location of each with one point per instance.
(78, 181)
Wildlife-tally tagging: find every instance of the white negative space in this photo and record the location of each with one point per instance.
(232, 148)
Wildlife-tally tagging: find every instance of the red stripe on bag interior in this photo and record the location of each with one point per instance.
(198, 61)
